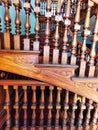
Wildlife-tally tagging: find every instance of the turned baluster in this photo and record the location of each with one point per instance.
(76, 29)
(82, 108)
(16, 107)
(67, 22)
(7, 108)
(47, 33)
(37, 27)
(42, 106)
(66, 107)
(7, 43)
(33, 107)
(18, 23)
(58, 107)
(86, 34)
(93, 49)
(27, 26)
(0, 25)
(88, 115)
(56, 36)
(24, 107)
(50, 106)
(74, 107)
(95, 117)
(0, 35)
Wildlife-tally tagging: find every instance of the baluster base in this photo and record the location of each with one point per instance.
(7, 41)
(17, 42)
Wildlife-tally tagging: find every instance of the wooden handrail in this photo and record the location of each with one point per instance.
(10, 63)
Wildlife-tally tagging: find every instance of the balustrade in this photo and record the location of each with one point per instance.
(57, 108)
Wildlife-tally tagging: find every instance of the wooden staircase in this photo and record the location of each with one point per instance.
(52, 86)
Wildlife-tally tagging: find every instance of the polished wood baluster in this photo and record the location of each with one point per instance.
(0, 35)
(93, 50)
(0, 25)
(58, 107)
(7, 108)
(67, 22)
(56, 36)
(47, 33)
(76, 29)
(66, 107)
(74, 107)
(82, 108)
(88, 115)
(95, 117)
(86, 34)
(7, 40)
(33, 107)
(37, 27)
(50, 106)
(18, 23)
(42, 106)
(27, 26)
(16, 107)
(25, 108)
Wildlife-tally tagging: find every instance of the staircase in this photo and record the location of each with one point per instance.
(45, 82)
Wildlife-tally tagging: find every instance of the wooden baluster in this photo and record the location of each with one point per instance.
(42, 106)
(27, 26)
(50, 106)
(86, 33)
(25, 108)
(82, 108)
(88, 115)
(7, 108)
(95, 117)
(7, 40)
(58, 107)
(74, 107)
(0, 25)
(16, 107)
(58, 18)
(66, 107)
(18, 23)
(33, 107)
(93, 51)
(67, 22)
(76, 29)
(0, 34)
(37, 27)
(47, 33)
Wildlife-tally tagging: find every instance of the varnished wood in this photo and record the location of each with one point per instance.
(7, 62)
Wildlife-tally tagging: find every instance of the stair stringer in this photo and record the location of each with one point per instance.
(10, 62)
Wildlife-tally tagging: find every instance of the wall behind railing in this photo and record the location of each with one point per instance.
(22, 18)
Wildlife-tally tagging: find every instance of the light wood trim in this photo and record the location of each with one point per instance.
(21, 82)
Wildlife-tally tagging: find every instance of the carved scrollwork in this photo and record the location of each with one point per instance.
(64, 73)
(92, 85)
(27, 60)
